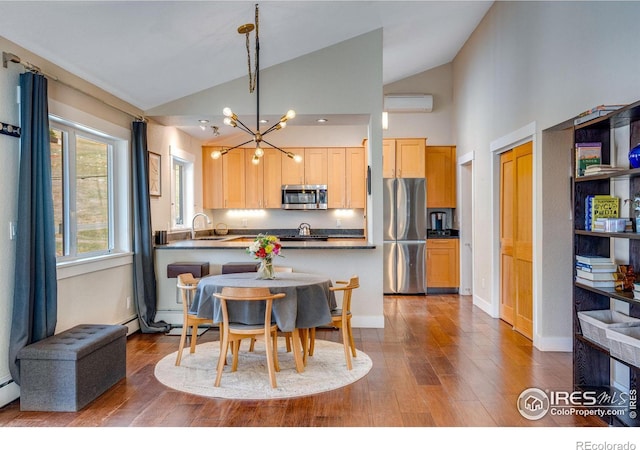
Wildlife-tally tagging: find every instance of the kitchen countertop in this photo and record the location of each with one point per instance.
(243, 241)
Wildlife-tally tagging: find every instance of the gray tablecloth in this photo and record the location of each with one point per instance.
(307, 304)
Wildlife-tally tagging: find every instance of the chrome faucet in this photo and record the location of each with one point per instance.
(193, 223)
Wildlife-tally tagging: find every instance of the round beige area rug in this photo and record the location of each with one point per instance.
(326, 370)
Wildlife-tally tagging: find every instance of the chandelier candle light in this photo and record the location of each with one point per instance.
(232, 119)
(265, 248)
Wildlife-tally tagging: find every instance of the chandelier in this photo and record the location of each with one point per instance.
(232, 119)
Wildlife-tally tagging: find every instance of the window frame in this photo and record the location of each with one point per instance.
(121, 253)
(71, 133)
(187, 162)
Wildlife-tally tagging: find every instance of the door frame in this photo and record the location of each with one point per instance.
(466, 216)
(498, 146)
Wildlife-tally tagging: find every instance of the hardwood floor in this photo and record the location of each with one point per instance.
(439, 362)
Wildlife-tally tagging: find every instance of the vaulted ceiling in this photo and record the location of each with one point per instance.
(149, 53)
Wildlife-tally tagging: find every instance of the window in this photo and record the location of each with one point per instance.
(182, 182)
(83, 196)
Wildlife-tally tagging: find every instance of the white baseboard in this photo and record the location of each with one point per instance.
(483, 305)
(553, 344)
(173, 318)
(9, 391)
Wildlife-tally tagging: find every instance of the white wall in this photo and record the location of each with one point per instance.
(437, 126)
(542, 63)
(342, 79)
(8, 213)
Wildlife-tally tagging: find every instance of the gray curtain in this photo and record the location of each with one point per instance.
(144, 277)
(35, 306)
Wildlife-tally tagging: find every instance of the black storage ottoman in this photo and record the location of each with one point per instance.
(67, 371)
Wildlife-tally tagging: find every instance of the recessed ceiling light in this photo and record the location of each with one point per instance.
(203, 121)
(323, 120)
(264, 121)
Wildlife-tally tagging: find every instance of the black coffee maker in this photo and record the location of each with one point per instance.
(438, 221)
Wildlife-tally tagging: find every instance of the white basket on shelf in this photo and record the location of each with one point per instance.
(594, 324)
(624, 344)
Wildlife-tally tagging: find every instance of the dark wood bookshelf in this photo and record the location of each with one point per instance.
(591, 362)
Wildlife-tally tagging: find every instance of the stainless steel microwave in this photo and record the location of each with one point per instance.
(304, 196)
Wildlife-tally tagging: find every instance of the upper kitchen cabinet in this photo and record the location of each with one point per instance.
(223, 179)
(313, 169)
(263, 180)
(233, 179)
(315, 166)
(346, 177)
(403, 158)
(212, 197)
(441, 176)
(293, 172)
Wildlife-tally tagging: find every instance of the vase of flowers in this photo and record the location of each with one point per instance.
(265, 248)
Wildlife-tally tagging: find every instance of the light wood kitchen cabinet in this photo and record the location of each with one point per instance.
(403, 158)
(315, 166)
(263, 180)
(441, 176)
(233, 179)
(443, 261)
(293, 172)
(346, 177)
(212, 194)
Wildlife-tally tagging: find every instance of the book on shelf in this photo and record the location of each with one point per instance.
(596, 276)
(599, 207)
(596, 267)
(593, 259)
(587, 154)
(595, 112)
(601, 108)
(602, 169)
(596, 284)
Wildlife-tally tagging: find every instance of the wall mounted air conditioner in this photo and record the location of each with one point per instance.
(408, 103)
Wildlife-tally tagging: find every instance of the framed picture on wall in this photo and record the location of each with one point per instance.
(155, 181)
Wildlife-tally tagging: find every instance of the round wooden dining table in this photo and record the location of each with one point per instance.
(307, 303)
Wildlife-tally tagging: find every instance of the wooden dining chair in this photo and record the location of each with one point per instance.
(341, 318)
(188, 285)
(233, 332)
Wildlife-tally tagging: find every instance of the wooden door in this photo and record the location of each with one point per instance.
(523, 242)
(315, 166)
(254, 179)
(233, 179)
(336, 178)
(292, 171)
(212, 190)
(507, 275)
(410, 158)
(388, 158)
(516, 237)
(441, 177)
(356, 177)
(272, 195)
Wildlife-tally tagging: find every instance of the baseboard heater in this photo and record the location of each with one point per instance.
(9, 391)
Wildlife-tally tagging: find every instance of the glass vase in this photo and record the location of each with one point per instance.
(266, 270)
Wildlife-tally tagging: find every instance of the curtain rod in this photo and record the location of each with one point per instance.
(10, 57)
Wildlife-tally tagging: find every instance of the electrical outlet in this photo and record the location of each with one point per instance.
(12, 230)
(338, 222)
(128, 302)
(244, 222)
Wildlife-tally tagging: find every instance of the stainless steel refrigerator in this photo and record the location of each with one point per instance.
(405, 233)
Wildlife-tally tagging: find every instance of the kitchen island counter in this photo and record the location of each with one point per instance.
(232, 242)
(337, 258)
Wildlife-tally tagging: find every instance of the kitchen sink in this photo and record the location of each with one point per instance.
(211, 238)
